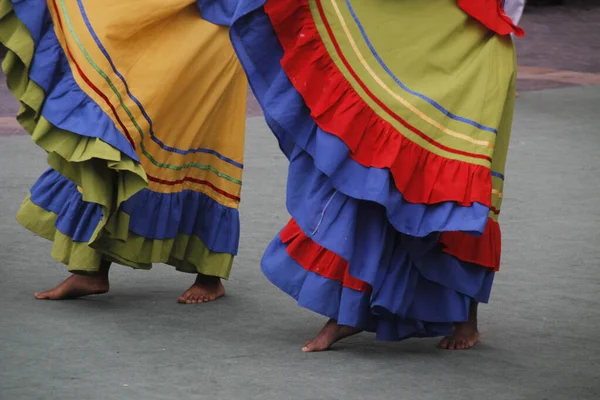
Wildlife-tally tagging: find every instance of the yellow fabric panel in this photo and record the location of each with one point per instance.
(162, 53)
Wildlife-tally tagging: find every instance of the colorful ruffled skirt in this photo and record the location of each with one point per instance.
(141, 109)
(395, 117)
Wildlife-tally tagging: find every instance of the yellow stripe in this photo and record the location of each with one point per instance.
(412, 108)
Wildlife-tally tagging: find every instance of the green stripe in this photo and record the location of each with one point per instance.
(139, 129)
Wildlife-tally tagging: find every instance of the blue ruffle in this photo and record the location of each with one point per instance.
(66, 106)
(75, 218)
(355, 229)
(406, 305)
(360, 233)
(418, 290)
(164, 215)
(153, 215)
(354, 211)
(218, 12)
(289, 118)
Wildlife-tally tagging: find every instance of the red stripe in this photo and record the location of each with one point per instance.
(89, 83)
(381, 104)
(194, 180)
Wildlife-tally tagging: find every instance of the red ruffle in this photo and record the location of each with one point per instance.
(421, 176)
(491, 14)
(482, 250)
(318, 259)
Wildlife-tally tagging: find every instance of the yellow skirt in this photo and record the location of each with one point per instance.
(141, 107)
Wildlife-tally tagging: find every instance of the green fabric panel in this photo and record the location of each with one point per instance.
(502, 143)
(433, 65)
(186, 252)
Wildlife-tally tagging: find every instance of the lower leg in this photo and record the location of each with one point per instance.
(206, 288)
(79, 285)
(465, 334)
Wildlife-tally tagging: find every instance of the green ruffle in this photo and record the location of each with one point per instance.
(186, 252)
(105, 175)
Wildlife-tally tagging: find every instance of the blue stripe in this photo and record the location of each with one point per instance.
(136, 101)
(403, 86)
(498, 175)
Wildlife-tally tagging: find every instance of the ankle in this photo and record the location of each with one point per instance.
(202, 279)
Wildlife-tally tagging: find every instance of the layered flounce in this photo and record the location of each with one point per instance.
(56, 211)
(414, 294)
(94, 202)
(292, 119)
(368, 206)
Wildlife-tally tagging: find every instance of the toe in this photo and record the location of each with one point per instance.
(443, 343)
(185, 296)
(43, 295)
(314, 346)
(309, 347)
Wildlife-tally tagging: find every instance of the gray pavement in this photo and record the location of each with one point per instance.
(540, 330)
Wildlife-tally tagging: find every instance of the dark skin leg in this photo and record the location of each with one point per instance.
(465, 335)
(206, 288)
(79, 285)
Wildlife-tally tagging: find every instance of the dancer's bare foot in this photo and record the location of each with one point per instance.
(206, 288)
(79, 286)
(465, 334)
(330, 334)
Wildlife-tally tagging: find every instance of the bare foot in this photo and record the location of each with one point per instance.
(330, 334)
(205, 289)
(465, 334)
(76, 286)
